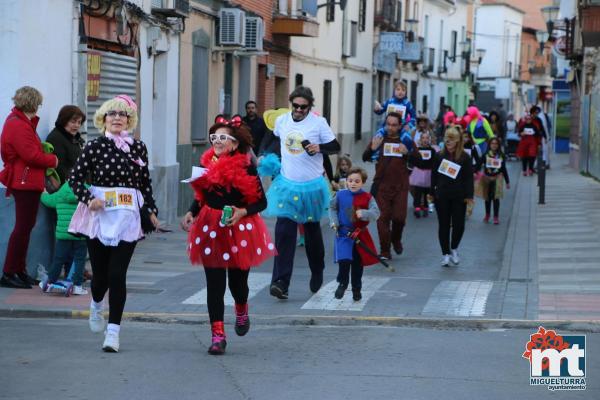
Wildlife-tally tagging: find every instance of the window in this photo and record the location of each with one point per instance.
(453, 40)
(362, 15)
(416, 11)
(399, 15)
(299, 80)
(413, 92)
(425, 104)
(358, 96)
(330, 10)
(327, 100)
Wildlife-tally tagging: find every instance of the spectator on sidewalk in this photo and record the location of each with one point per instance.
(109, 211)
(256, 124)
(67, 248)
(452, 189)
(25, 165)
(227, 248)
(66, 139)
(390, 184)
(300, 194)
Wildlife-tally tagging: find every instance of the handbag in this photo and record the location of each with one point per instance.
(52, 181)
(147, 225)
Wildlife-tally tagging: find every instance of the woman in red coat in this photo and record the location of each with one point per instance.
(24, 172)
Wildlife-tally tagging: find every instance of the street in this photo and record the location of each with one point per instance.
(61, 359)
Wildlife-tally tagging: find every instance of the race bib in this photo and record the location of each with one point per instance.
(397, 108)
(493, 163)
(449, 168)
(392, 150)
(425, 154)
(528, 131)
(119, 198)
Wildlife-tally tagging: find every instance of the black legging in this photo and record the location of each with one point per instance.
(354, 265)
(491, 197)
(216, 279)
(528, 163)
(420, 196)
(450, 212)
(109, 268)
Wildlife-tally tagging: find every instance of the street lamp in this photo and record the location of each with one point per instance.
(542, 37)
(411, 27)
(550, 14)
(465, 48)
(480, 53)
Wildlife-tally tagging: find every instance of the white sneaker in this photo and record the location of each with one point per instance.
(96, 320)
(446, 260)
(454, 257)
(79, 290)
(111, 342)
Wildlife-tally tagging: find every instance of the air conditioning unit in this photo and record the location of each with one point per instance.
(231, 27)
(255, 33)
(171, 8)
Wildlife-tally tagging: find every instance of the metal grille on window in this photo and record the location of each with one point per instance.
(118, 75)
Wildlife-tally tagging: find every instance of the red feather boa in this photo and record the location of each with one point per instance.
(228, 171)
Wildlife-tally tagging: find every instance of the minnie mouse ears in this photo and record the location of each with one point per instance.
(234, 122)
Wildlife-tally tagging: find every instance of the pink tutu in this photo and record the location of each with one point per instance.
(420, 177)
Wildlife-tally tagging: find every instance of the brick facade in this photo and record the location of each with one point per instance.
(278, 49)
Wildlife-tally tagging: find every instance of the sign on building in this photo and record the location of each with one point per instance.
(391, 42)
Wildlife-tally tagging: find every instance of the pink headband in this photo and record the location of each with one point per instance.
(127, 100)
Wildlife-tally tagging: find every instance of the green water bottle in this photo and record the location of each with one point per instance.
(227, 213)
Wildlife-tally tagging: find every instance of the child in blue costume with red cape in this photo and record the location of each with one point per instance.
(350, 212)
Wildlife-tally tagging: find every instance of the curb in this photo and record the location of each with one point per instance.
(587, 326)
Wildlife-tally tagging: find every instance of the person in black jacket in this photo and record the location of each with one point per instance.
(452, 189)
(66, 139)
(257, 126)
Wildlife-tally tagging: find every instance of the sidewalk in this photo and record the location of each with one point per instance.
(538, 264)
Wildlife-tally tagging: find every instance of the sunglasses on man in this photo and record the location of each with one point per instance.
(297, 106)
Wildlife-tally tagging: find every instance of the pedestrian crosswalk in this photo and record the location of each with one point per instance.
(324, 299)
(256, 282)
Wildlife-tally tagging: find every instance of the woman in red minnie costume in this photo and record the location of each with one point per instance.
(243, 241)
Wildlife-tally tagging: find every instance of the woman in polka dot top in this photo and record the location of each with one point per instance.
(116, 166)
(228, 248)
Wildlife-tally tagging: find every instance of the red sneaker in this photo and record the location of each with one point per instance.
(486, 219)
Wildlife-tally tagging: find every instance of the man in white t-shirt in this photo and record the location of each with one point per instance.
(300, 194)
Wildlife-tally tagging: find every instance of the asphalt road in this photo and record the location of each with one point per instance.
(61, 359)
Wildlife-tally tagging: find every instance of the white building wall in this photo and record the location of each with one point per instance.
(498, 30)
(32, 57)
(319, 59)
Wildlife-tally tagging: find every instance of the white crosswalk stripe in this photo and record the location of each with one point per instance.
(256, 282)
(324, 299)
(458, 299)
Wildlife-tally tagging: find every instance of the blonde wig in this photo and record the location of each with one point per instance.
(119, 103)
(27, 99)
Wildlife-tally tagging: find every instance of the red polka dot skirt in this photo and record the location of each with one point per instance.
(243, 245)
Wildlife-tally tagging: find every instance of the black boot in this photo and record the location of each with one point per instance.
(356, 295)
(27, 279)
(13, 281)
(339, 293)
